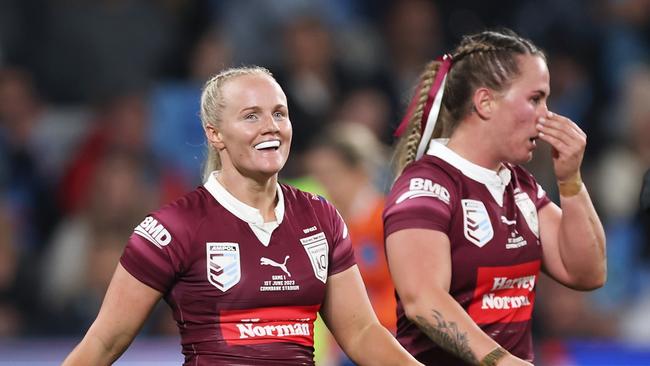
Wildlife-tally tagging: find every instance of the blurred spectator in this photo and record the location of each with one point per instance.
(177, 136)
(313, 79)
(413, 37)
(95, 48)
(619, 175)
(12, 315)
(626, 25)
(123, 124)
(82, 255)
(371, 107)
(345, 162)
(34, 144)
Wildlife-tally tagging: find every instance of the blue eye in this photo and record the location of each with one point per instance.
(251, 117)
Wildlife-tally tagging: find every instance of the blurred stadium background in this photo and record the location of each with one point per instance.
(99, 124)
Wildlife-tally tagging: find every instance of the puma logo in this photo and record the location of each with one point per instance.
(508, 222)
(270, 262)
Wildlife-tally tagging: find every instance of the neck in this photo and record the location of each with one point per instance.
(473, 144)
(258, 193)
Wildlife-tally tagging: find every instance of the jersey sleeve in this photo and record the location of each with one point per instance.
(538, 194)
(342, 255)
(419, 201)
(154, 252)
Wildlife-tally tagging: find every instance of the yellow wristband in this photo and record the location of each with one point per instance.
(570, 187)
(493, 357)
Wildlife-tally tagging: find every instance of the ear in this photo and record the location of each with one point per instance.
(483, 102)
(214, 137)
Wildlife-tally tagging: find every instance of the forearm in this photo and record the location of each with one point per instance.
(92, 350)
(374, 345)
(582, 241)
(443, 320)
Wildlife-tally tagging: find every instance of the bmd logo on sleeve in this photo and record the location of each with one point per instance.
(156, 233)
(421, 187)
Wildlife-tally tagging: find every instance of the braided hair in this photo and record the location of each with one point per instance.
(485, 59)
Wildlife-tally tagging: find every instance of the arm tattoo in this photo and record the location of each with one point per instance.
(448, 336)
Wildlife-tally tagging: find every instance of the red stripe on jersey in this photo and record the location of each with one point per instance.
(504, 294)
(294, 324)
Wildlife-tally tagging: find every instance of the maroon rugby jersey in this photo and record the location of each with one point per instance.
(492, 224)
(243, 292)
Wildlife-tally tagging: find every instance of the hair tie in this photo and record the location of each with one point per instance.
(433, 104)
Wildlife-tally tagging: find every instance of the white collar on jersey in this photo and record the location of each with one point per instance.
(495, 182)
(251, 215)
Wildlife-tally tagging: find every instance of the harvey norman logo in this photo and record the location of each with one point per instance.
(504, 294)
(268, 325)
(156, 233)
(251, 330)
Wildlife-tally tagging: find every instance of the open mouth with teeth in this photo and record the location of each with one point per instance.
(268, 145)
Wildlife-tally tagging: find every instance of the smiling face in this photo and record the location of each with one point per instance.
(254, 135)
(518, 109)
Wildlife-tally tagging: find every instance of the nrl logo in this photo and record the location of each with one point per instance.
(223, 264)
(476, 223)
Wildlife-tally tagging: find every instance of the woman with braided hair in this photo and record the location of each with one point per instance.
(467, 229)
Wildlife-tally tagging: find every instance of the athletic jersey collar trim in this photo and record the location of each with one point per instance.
(495, 182)
(252, 216)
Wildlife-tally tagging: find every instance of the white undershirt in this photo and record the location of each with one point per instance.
(251, 215)
(495, 182)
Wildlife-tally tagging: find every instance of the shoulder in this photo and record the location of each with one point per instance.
(178, 218)
(525, 180)
(431, 168)
(188, 207)
(301, 200)
(430, 177)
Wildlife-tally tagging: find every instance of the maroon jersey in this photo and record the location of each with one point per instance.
(492, 224)
(243, 292)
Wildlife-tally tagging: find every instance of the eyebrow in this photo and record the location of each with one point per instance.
(258, 108)
(253, 108)
(542, 93)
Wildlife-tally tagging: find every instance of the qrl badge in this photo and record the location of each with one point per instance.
(223, 265)
(476, 223)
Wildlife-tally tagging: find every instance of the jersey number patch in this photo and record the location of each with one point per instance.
(318, 251)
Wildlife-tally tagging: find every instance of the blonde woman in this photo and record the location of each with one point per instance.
(244, 262)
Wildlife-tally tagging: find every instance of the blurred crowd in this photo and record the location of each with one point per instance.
(99, 124)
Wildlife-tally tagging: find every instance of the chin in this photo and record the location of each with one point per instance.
(271, 169)
(521, 160)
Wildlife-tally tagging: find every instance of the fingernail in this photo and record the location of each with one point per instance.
(542, 119)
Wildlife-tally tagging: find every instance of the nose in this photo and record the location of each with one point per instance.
(270, 125)
(544, 109)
